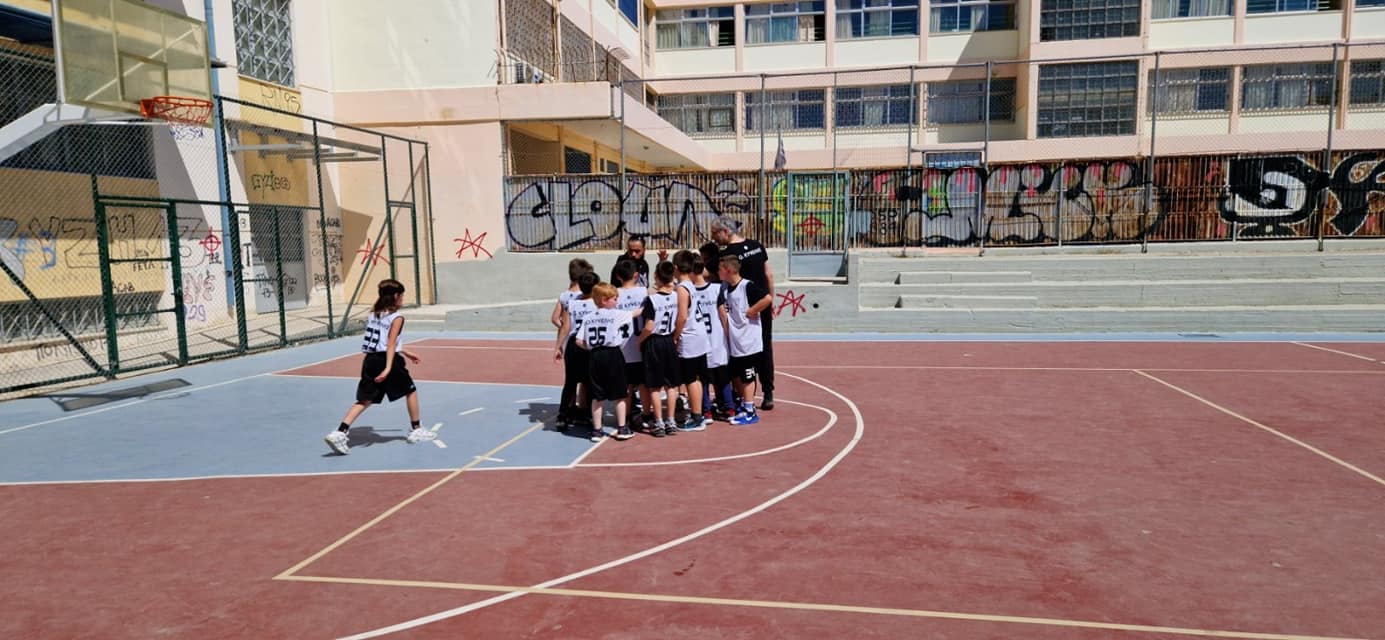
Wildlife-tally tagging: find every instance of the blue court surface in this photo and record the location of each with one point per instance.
(238, 418)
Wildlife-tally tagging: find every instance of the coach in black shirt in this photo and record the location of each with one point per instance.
(754, 267)
(634, 252)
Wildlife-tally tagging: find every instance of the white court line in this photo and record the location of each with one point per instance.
(832, 419)
(307, 474)
(440, 444)
(1340, 462)
(836, 459)
(1354, 355)
(532, 400)
(477, 348)
(1097, 369)
(471, 411)
(160, 394)
(586, 453)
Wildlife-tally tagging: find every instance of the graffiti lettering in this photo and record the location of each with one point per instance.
(1268, 195)
(270, 181)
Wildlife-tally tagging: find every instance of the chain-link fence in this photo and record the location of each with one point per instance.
(1051, 152)
(130, 244)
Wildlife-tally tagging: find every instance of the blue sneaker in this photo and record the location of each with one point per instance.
(744, 418)
(694, 423)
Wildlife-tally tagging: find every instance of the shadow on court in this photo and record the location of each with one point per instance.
(69, 401)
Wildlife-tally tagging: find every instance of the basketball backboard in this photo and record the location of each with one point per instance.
(113, 53)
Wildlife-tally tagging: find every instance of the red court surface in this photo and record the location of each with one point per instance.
(1062, 490)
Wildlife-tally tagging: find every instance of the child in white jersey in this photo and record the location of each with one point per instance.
(658, 352)
(693, 326)
(710, 296)
(744, 302)
(630, 297)
(603, 332)
(575, 268)
(383, 372)
(575, 365)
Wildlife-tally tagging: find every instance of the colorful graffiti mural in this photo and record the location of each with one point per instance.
(1106, 201)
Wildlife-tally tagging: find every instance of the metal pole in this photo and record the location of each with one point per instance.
(760, 104)
(103, 251)
(909, 169)
(279, 281)
(235, 286)
(389, 209)
(175, 257)
(1149, 170)
(322, 223)
(986, 166)
(413, 226)
(1327, 155)
(432, 238)
(620, 93)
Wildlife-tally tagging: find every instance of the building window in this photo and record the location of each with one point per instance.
(1291, 6)
(1087, 99)
(1362, 4)
(870, 107)
(877, 18)
(785, 22)
(700, 114)
(1286, 86)
(264, 40)
(949, 16)
(1191, 8)
(1088, 19)
(785, 110)
(1190, 90)
(960, 101)
(609, 166)
(696, 28)
(1368, 81)
(628, 8)
(576, 161)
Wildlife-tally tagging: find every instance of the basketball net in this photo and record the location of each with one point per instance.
(186, 117)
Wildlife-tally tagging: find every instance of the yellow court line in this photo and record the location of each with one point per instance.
(1305, 445)
(1345, 353)
(821, 607)
(981, 368)
(288, 573)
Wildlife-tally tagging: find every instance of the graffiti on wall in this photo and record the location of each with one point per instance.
(1189, 198)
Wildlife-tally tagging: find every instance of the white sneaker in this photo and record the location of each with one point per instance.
(337, 441)
(421, 435)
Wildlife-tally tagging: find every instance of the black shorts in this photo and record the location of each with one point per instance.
(743, 367)
(720, 376)
(397, 385)
(576, 362)
(634, 373)
(660, 362)
(691, 370)
(607, 375)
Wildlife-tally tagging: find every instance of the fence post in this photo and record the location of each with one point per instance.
(103, 252)
(175, 258)
(432, 238)
(279, 281)
(235, 285)
(1149, 170)
(413, 228)
(985, 165)
(909, 170)
(619, 93)
(389, 206)
(764, 215)
(1327, 155)
(322, 223)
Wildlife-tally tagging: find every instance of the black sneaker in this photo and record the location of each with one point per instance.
(657, 430)
(768, 402)
(624, 433)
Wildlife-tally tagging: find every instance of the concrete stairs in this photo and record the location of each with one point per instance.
(1207, 291)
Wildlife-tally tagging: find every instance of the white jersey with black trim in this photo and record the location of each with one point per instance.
(696, 327)
(661, 309)
(710, 297)
(565, 298)
(606, 328)
(627, 301)
(577, 311)
(377, 332)
(745, 338)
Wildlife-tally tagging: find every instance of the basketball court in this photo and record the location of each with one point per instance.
(969, 489)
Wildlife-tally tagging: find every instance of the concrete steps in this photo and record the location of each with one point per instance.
(1107, 319)
(1137, 293)
(1353, 264)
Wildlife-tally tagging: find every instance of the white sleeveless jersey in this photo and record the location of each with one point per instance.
(377, 332)
(696, 328)
(629, 300)
(565, 298)
(577, 311)
(606, 328)
(710, 297)
(662, 310)
(745, 338)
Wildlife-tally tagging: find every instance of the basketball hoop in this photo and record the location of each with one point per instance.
(186, 117)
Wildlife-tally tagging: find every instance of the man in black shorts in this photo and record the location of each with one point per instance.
(754, 267)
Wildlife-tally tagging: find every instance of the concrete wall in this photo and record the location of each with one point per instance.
(415, 45)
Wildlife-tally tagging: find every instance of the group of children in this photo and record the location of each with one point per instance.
(691, 337)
